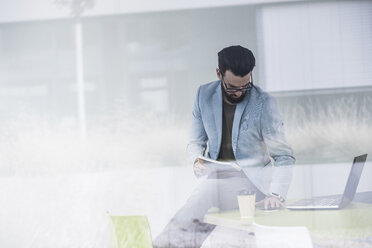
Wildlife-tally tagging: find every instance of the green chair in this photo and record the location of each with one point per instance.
(130, 232)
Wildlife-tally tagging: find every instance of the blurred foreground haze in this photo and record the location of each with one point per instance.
(115, 141)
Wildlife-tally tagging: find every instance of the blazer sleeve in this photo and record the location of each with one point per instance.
(198, 136)
(279, 150)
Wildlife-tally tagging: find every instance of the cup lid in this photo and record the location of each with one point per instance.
(247, 192)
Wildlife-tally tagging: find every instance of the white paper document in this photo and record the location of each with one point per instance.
(219, 165)
(259, 236)
(282, 237)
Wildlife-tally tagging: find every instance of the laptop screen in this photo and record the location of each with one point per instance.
(353, 180)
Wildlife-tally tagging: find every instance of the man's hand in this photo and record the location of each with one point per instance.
(270, 202)
(200, 169)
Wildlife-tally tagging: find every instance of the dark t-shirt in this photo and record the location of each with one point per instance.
(226, 151)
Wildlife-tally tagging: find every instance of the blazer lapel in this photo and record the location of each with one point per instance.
(217, 111)
(240, 107)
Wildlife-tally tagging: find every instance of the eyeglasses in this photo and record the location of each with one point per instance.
(242, 89)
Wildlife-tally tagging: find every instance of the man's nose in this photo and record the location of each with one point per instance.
(238, 93)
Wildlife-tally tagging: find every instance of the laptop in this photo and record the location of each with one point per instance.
(335, 201)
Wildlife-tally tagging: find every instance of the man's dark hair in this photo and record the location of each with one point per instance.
(239, 60)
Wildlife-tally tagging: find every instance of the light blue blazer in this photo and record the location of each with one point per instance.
(258, 138)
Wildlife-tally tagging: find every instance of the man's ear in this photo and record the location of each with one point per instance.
(219, 75)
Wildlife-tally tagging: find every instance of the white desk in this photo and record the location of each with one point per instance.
(349, 227)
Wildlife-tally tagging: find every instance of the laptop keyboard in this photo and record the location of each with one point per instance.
(318, 202)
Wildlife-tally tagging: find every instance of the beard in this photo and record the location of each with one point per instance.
(232, 99)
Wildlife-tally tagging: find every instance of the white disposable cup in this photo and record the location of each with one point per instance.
(247, 207)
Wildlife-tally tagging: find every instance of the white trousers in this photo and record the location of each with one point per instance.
(186, 228)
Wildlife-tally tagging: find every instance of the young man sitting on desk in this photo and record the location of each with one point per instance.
(238, 122)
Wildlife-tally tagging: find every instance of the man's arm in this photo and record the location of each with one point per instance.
(274, 137)
(198, 137)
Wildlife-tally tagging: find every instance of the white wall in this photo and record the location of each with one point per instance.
(28, 10)
(316, 45)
